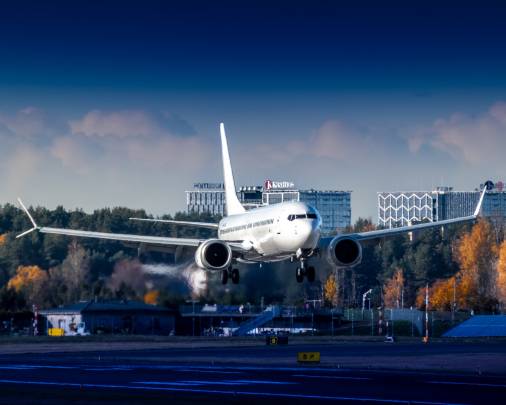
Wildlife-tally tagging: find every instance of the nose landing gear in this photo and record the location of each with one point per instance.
(302, 270)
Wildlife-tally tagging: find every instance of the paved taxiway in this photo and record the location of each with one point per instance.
(257, 373)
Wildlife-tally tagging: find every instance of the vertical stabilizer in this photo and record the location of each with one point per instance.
(233, 204)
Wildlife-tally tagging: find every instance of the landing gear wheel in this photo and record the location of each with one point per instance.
(299, 275)
(235, 276)
(224, 277)
(310, 273)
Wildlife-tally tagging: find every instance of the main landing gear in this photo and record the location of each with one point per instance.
(233, 274)
(302, 271)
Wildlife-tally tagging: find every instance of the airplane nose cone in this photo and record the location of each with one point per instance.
(309, 232)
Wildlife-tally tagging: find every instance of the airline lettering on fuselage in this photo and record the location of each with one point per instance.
(250, 225)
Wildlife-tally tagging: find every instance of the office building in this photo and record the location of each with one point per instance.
(334, 206)
(408, 207)
(206, 198)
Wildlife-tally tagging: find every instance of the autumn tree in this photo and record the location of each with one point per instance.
(31, 281)
(477, 256)
(151, 297)
(331, 289)
(71, 279)
(441, 295)
(393, 290)
(501, 274)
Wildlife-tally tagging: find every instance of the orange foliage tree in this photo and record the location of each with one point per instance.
(393, 290)
(440, 295)
(474, 286)
(501, 274)
(151, 297)
(477, 256)
(331, 289)
(3, 238)
(32, 282)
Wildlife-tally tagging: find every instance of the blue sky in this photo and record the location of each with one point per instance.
(118, 103)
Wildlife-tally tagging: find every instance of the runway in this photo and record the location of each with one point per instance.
(238, 375)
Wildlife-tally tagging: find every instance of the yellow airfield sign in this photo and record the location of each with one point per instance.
(308, 357)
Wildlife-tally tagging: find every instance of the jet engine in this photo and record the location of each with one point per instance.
(344, 251)
(213, 254)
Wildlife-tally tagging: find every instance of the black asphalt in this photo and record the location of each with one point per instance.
(246, 374)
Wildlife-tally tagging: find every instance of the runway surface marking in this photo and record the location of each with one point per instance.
(218, 382)
(187, 370)
(32, 367)
(467, 383)
(332, 377)
(223, 392)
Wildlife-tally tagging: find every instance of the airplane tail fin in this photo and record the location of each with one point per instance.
(233, 204)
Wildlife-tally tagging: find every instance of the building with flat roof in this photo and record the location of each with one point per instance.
(127, 317)
(404, 208)
(206, 198)
(334, 206)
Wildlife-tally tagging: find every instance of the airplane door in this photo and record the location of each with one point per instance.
(277, 226)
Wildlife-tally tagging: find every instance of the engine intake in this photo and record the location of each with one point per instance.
(213, 254)
(345, 251)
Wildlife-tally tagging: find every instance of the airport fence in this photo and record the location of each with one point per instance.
(398, 322)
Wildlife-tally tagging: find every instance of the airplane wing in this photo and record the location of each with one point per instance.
(208, 225)
(381, 233)
(146, 242)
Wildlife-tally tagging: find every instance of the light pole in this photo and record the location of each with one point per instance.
(364, 297)
(193, 302)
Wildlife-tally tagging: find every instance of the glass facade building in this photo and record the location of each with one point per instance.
(206, 198)
(405, 208)
(333, 206)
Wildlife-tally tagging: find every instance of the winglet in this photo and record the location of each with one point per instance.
(480, 202)
(233, 204)
(35, 226)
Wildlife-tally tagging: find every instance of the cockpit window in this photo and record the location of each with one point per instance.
(310, 215)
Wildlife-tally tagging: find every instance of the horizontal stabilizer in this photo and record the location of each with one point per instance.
(31, 220)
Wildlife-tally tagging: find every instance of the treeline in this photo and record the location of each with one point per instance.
(49, 270)
(464, 265)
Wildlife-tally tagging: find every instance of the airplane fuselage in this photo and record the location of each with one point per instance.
(275, 232)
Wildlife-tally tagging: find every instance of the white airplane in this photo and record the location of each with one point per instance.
(288, 230)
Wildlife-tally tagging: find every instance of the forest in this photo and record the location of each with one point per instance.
(464, 267)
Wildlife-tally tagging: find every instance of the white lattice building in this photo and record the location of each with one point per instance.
(403, 208)
(408, 207)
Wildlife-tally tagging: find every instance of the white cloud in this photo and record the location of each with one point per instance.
(72, 154)
(473, 139)
(24, 160)
(123, 124)
(333, 140)
(131, 158)
(30, 123)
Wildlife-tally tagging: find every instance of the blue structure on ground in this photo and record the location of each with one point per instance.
(480, 326)
(268, 315)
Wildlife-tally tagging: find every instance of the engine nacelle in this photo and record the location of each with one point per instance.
(213, 254)
(344, 251)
